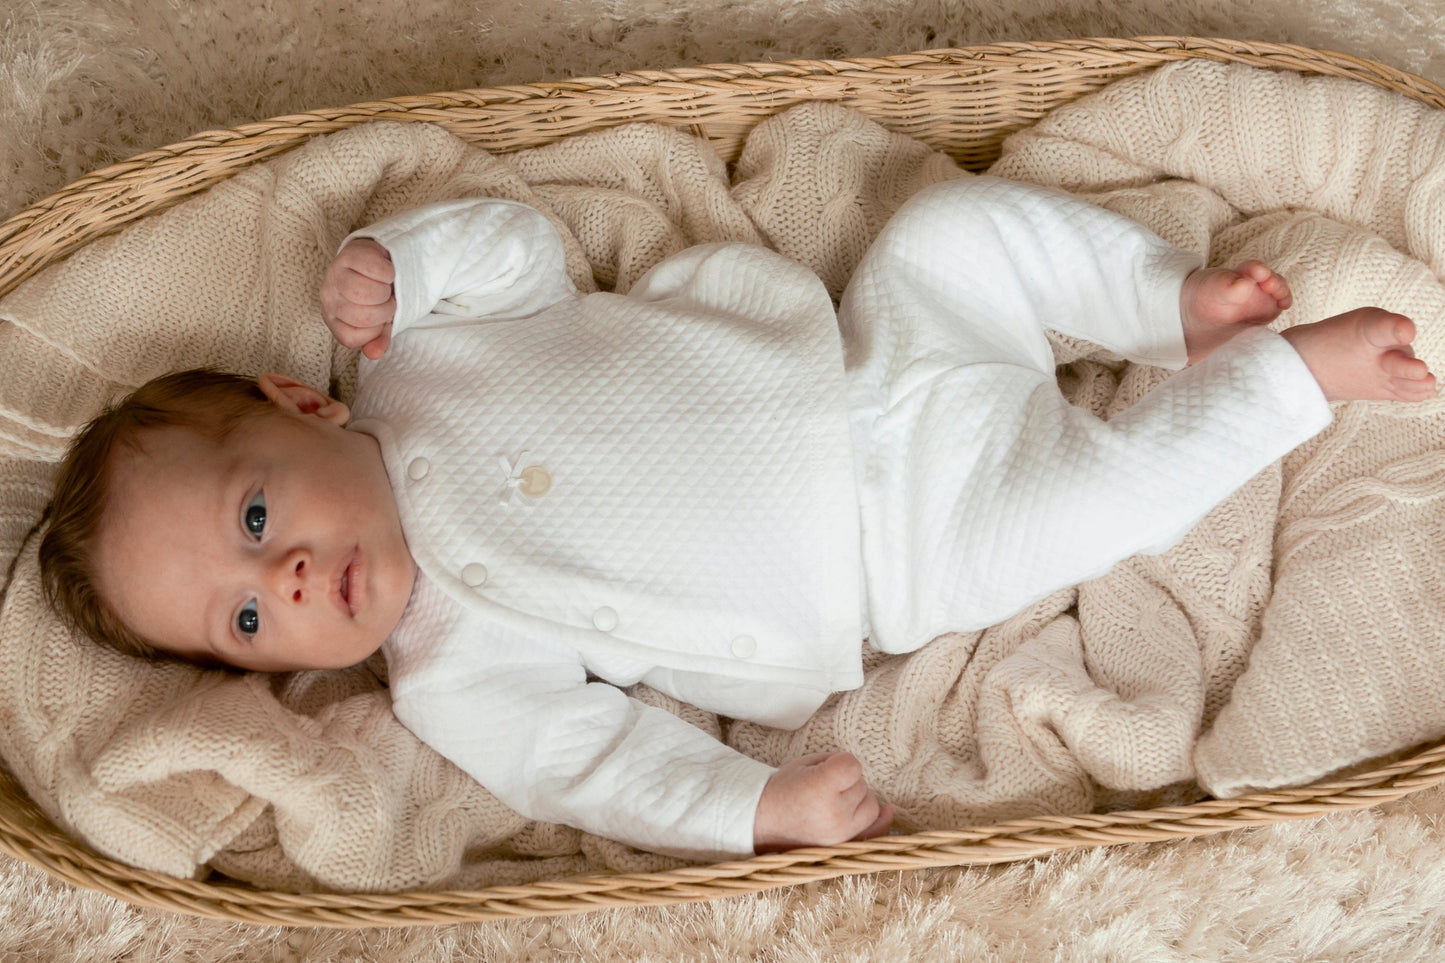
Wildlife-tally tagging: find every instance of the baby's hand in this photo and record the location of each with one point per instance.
(357, 301)
(818, 800)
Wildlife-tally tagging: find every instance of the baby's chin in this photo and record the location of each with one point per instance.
(374, 649)
(352, 652)
(401, 596)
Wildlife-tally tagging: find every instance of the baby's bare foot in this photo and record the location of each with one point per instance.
(1364, 354)
(1214, 301)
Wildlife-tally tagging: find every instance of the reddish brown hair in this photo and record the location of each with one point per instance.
(208, 402)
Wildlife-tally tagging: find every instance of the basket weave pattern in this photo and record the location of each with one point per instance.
(962, 101)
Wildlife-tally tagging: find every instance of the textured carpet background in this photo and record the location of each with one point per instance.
(87, 82)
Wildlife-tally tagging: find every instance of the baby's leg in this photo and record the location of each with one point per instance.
(1214, 302)
(981, 488)
(1004, 262)
(1363, 354)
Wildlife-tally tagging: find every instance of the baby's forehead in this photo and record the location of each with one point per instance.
(168, 445)
(160, 462)
(156, 538)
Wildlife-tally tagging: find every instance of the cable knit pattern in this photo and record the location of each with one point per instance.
(1093, 697)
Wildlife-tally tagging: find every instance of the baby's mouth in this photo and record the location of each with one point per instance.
(346, 575)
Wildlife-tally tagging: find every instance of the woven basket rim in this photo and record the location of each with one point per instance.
(55, 226)
(109, 198)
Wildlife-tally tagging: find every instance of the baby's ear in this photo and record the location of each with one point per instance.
(291, 395)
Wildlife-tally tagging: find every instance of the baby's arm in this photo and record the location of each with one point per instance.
(555, 747)
(522, 718)
(518, 713)
(818, 800)
(456, 262)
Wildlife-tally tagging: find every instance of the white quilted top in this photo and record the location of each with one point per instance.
(655, 487)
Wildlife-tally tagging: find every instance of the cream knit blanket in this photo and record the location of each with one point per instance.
(1327, 568)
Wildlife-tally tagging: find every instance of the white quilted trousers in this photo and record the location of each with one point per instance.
(981, 488)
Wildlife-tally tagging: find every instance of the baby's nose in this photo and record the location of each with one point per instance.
(291, 576)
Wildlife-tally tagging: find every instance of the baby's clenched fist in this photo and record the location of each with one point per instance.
(357, 301)
(818, 800)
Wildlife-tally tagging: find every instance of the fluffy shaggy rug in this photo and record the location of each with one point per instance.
(86, 82)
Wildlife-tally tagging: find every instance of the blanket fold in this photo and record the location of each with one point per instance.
(1301, 592)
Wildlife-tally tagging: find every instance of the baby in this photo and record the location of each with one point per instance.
(541, 497)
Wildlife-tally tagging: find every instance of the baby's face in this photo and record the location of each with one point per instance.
(279, 549)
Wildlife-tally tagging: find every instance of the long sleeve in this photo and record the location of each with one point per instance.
(460, 262)
(523, 720)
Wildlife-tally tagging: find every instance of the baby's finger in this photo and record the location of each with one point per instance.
(356, 338)
(377, 346)
(365, 317)
(840, 770)
(855, 796)
(368, 258)
(349, 337)
(882, 824)
(359, 288)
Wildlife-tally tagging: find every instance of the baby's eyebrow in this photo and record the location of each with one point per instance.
(238, 487)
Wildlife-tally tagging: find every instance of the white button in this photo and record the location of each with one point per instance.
(418, 468)
(535, 482)
(474, 574)
(744, 646)
(605, 619)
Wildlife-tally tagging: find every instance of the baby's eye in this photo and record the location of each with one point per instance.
(254, 517)
(248, 620)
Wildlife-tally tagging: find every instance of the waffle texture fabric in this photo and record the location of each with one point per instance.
(655, 487)
(983, 489)
(697, 528)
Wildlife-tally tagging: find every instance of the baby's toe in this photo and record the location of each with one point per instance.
(1418, 389)
(1267, 280)
(1392, 331)
(1399, 364)
(1410, 378)
(1278, 288)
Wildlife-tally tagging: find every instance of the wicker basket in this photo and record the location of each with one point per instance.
(962, 101)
